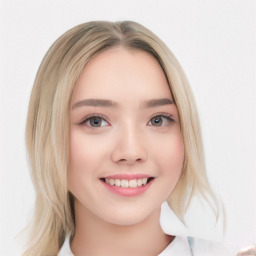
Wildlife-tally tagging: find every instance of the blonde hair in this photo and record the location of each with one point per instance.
(47, 129)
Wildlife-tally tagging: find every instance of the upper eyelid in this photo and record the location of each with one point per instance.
(86, 118)
(167, 115)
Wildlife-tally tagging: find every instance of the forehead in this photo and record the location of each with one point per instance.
(118, 73)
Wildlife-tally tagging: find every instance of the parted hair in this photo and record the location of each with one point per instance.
(47, 128)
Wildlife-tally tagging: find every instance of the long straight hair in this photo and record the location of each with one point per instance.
(47, 128)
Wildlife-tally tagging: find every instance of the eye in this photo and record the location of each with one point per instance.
(160, 120)
(94, 121)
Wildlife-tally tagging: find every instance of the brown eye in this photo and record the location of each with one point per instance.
(95, 121)
(157, 120)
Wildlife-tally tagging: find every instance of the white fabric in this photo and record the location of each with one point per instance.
(178, 247)
(65, 249)
(200, 222)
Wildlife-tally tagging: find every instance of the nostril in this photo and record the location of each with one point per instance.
(130, 160)
(128, 154)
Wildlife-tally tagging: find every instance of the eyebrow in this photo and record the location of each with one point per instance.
(156, 103)
(109, 103)
(95, 103)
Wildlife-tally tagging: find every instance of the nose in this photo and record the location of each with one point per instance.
(129, 147)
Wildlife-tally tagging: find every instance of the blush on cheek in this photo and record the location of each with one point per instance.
(175, 150)
(79, 152)
(175, 158)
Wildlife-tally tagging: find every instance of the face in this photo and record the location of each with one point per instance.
(126, 147)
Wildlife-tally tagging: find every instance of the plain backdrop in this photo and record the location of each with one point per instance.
(215, 41)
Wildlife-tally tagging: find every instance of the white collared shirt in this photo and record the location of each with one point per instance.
(178, 247)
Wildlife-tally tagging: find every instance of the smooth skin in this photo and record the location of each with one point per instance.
(123, 121)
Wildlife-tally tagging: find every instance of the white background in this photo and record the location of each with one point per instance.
(215, 41)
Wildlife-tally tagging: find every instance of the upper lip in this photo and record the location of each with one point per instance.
(126, 176)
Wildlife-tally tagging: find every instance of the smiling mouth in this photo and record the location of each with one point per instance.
(124, 183)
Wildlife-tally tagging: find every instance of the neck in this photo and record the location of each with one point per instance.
(94, 236)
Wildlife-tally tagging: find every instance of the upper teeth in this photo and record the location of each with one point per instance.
(127, 183)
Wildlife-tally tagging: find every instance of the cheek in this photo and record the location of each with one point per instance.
(176, 150)
(174, 165)
(78, 154)
(170, 149)
(171, 158)
(85, 150)
(85, 156)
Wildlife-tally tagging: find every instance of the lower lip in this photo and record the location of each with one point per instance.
(128, 191)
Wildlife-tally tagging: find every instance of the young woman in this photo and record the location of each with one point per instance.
(113, 133)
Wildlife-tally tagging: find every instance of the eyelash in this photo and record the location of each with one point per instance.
(88, 118)
(162, 115)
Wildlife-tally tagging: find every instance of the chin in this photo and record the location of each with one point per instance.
(129, 217)
(126, 221)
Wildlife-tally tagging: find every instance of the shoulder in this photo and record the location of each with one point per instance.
(201, 247)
